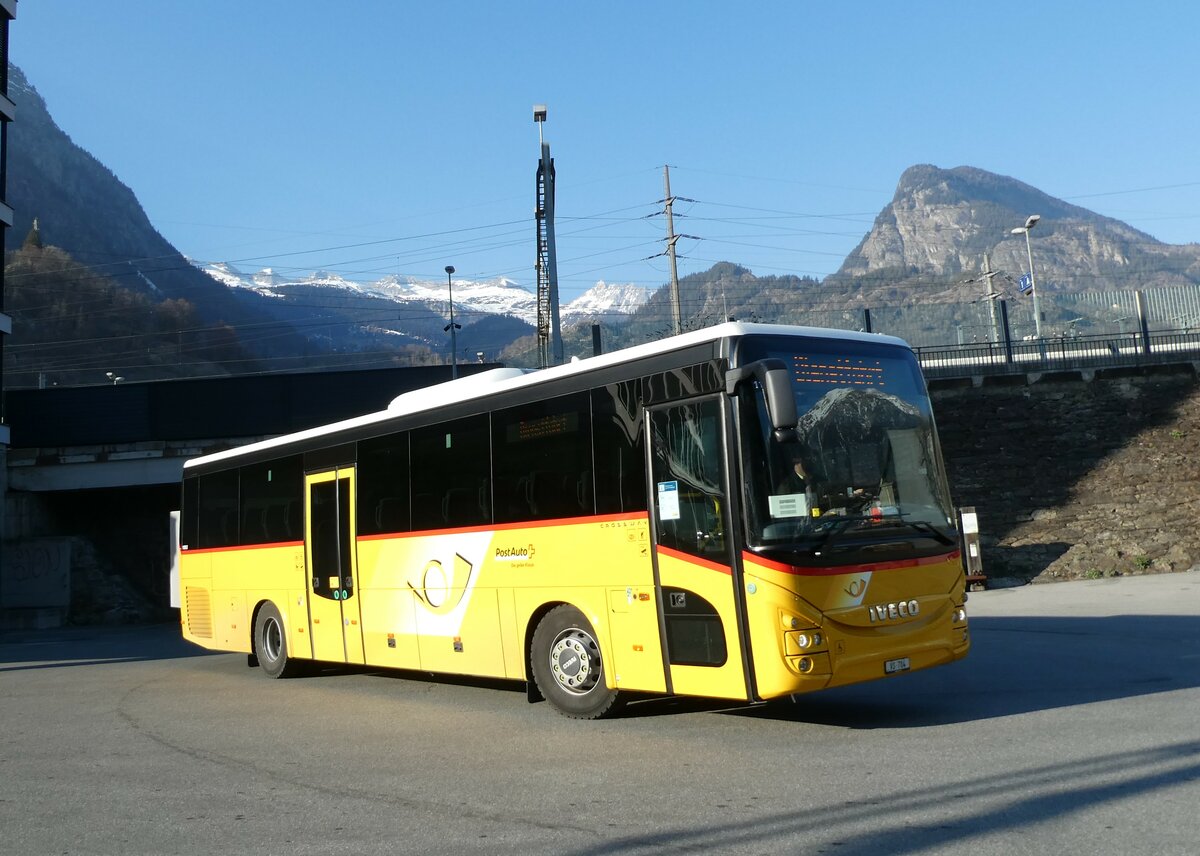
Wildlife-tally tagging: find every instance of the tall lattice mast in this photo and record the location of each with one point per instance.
(550, 347)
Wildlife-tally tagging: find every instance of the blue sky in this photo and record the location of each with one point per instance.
(370, 137)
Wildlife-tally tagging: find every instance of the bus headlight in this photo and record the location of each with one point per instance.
(960, 616)
(808, 640)
(803, 642)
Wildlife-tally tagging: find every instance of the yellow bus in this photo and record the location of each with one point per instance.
(744, 512)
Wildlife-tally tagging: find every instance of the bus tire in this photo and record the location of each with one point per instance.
(270, 644)
(568, 666)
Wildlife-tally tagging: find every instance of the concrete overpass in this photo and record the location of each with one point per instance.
(127, 434)
(93, 472)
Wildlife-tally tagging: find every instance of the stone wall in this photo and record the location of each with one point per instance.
(86, 557)
(1078, 475)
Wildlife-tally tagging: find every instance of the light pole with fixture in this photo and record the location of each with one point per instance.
(452, 327)
(1030, 222)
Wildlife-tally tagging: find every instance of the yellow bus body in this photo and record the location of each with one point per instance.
(465, 602)
(618, 525)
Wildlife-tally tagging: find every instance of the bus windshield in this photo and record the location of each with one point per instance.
(863, 470)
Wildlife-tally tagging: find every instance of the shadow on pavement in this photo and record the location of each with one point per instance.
(967, 810)
(1017, 665)
(91, 646)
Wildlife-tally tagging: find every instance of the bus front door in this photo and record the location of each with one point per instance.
(335, 620)
(695, 571)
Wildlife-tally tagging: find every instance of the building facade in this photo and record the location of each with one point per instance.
(8, 11)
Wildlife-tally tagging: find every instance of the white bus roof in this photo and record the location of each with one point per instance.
(498, 380)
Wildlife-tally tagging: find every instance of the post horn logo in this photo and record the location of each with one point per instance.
(857, 588)
(440, 592)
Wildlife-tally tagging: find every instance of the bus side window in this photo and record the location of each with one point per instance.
(218, 501)
(620, 458)
(448, 462)
(688, 471)
(539, 450)
(383, 484)
(266, 490)
(189, 522)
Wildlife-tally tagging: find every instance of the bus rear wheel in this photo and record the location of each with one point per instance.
(568, 666)
(270, 644)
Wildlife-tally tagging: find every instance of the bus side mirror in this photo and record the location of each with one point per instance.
(772, 376)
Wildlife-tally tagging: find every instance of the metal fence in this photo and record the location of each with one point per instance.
(1060, 353)
(1095, 329)
(1070, 314)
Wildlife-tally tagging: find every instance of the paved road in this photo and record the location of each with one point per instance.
(1072, 728)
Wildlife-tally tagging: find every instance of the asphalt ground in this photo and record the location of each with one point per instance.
(1071, 728)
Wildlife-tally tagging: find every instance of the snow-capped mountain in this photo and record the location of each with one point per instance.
(397, 311)
(471, 298)
(604, 301)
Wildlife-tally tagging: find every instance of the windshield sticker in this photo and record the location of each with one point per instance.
(668, 500)
(788, 505)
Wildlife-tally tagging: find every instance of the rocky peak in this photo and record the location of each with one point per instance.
(942, 221)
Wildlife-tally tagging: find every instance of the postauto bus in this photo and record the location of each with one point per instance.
(743, 512)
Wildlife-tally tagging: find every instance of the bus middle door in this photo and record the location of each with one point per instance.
(696, 577)
(335, 619)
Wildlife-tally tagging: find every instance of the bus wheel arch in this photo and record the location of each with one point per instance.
(568, 665)
(269, 643)
(531, 688)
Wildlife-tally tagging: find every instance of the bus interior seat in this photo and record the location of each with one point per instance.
(585, 492)
(229, 527)
(389, 514)
(275, 522)
(485, 498)
(510, 500)
(545, 493)
(426, 511)
(295, 519)
(460, 507)
(254, 525)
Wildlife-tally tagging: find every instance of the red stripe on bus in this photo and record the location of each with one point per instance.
(505, 527)
(800, 571)
(694, 560)
(494, 527)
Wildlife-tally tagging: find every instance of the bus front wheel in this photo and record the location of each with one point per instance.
(568, 667)
(270, 644)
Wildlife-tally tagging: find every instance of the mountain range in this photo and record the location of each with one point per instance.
(930, 239)
(472, 298)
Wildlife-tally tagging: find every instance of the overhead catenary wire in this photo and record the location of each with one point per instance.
(480, 241)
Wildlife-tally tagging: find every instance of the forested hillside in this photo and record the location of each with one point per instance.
(82, 207)
(73, 325)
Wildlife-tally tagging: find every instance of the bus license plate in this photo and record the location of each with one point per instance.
(893, 666)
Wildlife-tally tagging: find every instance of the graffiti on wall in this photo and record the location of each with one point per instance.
(36, 574)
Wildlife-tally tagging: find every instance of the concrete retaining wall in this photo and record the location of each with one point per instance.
(1078, 475)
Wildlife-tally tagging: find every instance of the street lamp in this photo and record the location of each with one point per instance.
(1037, 313)
(452, 327)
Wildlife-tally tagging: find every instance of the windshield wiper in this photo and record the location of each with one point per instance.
(835, 528)
(928, 529)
